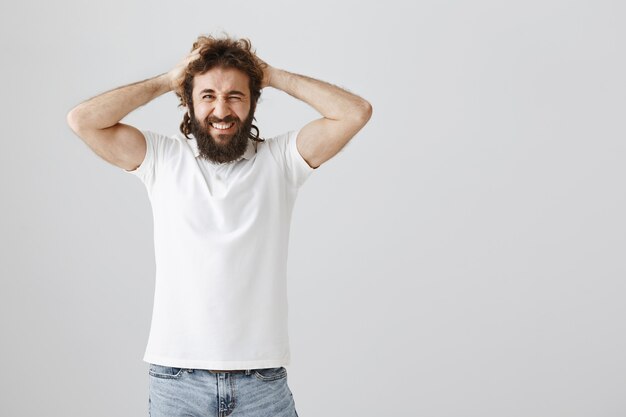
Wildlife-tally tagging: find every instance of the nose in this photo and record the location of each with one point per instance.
(221, 109)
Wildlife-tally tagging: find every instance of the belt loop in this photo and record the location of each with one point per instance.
(247, 372)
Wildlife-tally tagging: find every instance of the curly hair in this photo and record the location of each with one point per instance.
(221, 53)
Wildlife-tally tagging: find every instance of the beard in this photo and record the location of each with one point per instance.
(230, 147)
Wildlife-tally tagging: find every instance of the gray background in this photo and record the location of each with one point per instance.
(463, 256)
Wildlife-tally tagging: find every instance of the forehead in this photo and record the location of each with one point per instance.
(221, 80)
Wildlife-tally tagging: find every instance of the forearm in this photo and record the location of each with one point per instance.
(331, 101)
(107, 109)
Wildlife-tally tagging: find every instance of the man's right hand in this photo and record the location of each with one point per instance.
(177, 74)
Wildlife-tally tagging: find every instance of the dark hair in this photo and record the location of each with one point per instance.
(221, 53)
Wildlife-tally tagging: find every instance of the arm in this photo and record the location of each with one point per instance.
(97, 120)
(344, 114)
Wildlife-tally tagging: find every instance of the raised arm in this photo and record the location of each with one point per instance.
(344, 114)
(97, 120)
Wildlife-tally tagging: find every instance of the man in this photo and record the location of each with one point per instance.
(222, 199)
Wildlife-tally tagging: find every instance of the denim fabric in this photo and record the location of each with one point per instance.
(199, 393)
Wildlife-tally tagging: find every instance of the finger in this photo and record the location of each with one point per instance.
(193, 55)
(188, 59)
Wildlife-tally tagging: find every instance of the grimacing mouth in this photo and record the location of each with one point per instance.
(222, 126)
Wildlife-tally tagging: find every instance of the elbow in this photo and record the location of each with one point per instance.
(366, 111)
(362, 113)
(73, 120)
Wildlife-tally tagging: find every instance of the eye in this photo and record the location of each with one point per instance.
(234, 98)
(208, 97)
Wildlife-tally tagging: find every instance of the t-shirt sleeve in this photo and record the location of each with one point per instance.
(155, 148)
(296, 168)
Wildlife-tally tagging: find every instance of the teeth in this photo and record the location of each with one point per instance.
(222, 126)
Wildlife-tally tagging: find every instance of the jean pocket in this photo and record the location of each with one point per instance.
(270, 374)
(165, 372)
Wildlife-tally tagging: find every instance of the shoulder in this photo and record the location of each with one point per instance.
(279, 142)
(156, 136)
(164, 142)
(284, 151)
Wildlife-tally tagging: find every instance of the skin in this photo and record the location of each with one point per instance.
(97, 121)
(219, 93)
(343, 114)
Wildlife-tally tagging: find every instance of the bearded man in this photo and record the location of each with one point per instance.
(222, 199)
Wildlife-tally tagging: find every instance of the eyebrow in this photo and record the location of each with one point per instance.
(230, 93)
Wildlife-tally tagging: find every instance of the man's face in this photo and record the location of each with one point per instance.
(221, 116)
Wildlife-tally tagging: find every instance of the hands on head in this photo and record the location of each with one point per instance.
(177, 74)
(267, 72)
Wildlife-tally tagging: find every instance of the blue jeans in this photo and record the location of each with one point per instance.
(200, 393)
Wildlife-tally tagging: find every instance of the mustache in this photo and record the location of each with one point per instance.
(228, 119)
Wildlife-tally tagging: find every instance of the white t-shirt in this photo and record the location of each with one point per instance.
(221, 234)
